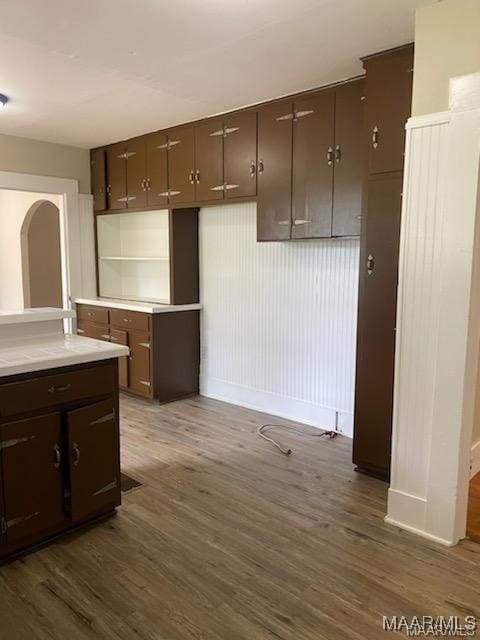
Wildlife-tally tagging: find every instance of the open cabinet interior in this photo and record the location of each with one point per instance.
(133, 256)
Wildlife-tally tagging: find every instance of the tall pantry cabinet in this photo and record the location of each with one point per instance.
(388, 94)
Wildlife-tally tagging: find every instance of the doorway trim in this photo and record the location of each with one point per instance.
(76, 230)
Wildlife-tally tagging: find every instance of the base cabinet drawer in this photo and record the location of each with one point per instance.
(92, 314)
(93, 330)
(48, 391)
(130, 320)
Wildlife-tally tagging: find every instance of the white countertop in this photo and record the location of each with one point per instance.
(44, 314)
(145, 307)
(37, 353)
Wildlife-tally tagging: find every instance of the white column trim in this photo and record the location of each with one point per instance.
(438, 323)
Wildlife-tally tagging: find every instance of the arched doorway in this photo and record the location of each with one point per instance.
(41, 256)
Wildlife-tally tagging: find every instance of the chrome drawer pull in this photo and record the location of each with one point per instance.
(58, 456)
(76, 451)
(60, 389)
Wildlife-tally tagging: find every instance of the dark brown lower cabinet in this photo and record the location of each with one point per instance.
(59, 452)
(164, 348)
(94, 458)
(376, 324)
(32, 476)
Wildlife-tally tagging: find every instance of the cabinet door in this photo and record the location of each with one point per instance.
(121, 337)
(117, 176)
(32, 476)
(313, 160)
(157, 175)
(349, 157)
(274, 201)
(376, 324)
(136, 173)
(94, 457)
(388, 106)
(240, 155)
(209, 161)
(181, 165)
(99, 179)
(140, 378)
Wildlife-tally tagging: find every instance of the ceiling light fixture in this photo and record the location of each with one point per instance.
(3, 100)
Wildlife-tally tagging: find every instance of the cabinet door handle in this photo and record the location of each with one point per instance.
(261, 168)
(126, 320)
(370, 264)
(375, 136)
(144, 344)
(173, 193)
(197, 176)
(297, 222)
(338, 153)
(284, 222)
(143, 183)
(80, 331)
(220, 187)
(146, 383)
(57, 456)
(105, 335)
(191, 177)
(76, 454)
(229, 187)
(253, 169)
(60, 389)
(330, 156)
(149, 184)
(124, 199)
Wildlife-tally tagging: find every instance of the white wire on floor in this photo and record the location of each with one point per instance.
(288, 452)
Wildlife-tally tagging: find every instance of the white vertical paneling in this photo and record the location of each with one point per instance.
(278, 319)
(438, 323)
(418, 304)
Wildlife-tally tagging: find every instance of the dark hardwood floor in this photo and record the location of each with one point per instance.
(230, 540)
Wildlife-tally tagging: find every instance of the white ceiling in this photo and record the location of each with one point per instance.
(89, 72)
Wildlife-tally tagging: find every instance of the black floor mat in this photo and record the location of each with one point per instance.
(129, 483)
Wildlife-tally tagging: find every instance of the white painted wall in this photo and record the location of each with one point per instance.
(279, 320)
(14, 206)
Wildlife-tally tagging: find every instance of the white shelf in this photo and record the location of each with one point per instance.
(136, 258)
(133, 256)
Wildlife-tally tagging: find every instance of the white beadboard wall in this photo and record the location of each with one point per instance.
(278, 321)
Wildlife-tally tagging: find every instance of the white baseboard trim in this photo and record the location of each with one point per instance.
(278, 405)
(475, 460)
(419, 532)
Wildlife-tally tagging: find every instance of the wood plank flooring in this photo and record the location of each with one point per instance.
(230, 540)
(473, 520)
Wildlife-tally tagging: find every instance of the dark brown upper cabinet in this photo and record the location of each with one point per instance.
(240, 155)
(157, 176)
(349, 159)
(313, 165)
(274, 190)
(389, 89)
(136, 157)
(181, 165)
(33, 503)
(99, 179)
(94, 458)
(209, 161)
(117, 176)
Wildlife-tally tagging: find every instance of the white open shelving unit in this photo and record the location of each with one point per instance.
(133, 256)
